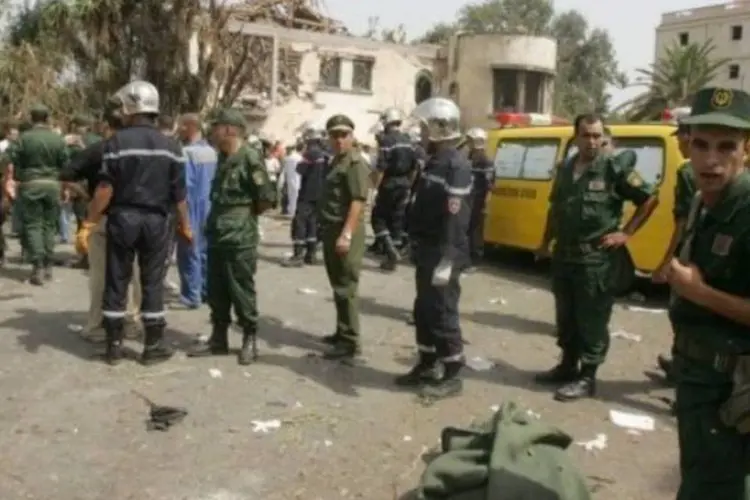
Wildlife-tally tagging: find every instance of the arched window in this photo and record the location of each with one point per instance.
(422, 87)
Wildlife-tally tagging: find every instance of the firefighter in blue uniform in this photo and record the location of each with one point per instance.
(141, 182)
(312, 169)
(396, 166)
(483, 173)
(439, 228)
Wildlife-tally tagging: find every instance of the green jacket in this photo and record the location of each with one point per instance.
(347, 180)
(241, 183)
(512, 456)
(587, 208)
(684, 191)
(40, 153)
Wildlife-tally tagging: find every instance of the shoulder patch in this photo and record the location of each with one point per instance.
(258, 178)
(454, 205)
(721, 245)
(634, 179)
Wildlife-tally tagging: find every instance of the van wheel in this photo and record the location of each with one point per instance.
(623, 272)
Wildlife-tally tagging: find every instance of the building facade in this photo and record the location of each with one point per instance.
(362, 77)
(727, 26)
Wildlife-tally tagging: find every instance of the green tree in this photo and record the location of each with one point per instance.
(586, 63)
(673, 79)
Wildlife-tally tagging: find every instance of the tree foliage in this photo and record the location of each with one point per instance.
(184, 47)
(586, 63)
(674, 79)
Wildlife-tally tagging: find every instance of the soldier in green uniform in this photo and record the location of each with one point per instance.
(684, 192)
(710, 311)
(240, 192)
(584, 218)
(37, 158)
(341, 213)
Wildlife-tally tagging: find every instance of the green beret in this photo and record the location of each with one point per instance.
(81, 120)
(39, 108)
(340, 122)
(232, 117)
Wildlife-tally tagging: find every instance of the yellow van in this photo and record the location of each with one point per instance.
(525, 159)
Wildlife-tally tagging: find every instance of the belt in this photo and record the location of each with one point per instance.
(723, 363)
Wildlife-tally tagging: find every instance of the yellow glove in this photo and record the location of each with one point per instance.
(82, 237)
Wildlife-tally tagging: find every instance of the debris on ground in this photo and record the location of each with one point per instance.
(479, 364)
(161, 418)
(632, 421)
(623, 334)
(307, 291)
(75, 328)
(266, 426)
(499, 300)
(215, 373)
(596, 444)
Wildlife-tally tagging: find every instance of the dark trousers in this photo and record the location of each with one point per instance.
(476, 229)
(389, 213)
(231, 284)
(305, 225)
(436, 314)
(583, 308)
(132, 232)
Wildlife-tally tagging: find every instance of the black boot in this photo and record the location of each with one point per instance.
(564, 372)
(216, 345)
(297, 258)
(424, 372)
(36, 276)
(310, 253)
(584, 386)
(155, 349)
(391, 255)
(343, 350)
(249, 350)
(114, 352)
(376, 249)
(448, 386)
(47, 273)
(331, 339)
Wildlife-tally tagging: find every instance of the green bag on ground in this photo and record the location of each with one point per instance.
(512, 456)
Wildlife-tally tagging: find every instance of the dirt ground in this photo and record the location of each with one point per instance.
(72, 428)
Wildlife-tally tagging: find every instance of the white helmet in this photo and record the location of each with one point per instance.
(415, 134)
(314, 134)
(391, 116)
(440, 117)
(477, 136)
(138, 97)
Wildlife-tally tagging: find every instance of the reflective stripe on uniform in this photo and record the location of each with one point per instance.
(451, 190)
(425, 348)
(126, 153)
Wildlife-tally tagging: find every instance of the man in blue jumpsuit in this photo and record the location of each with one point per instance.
(200, 168)
(439, 228)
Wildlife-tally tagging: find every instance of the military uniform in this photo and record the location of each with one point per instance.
(583, 210)
(38, 157)
(347, 181)
(240, 188)
(708, 346)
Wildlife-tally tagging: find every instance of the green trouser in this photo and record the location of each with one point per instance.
(713, 457)
(40, 217)
(231, 283)
(583, 307)
(343, 274)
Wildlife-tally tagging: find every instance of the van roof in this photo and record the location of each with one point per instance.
(656, 129)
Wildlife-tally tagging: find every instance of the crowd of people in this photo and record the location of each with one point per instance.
(144, 186)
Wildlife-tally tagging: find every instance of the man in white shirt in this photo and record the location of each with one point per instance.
(10, 134)
(290, 178)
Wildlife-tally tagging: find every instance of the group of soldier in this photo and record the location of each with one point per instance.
(431, 189)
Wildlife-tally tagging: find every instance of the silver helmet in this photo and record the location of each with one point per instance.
(477, 136)
(391, 116)
(138, 97)
(313, 134)
(440, 118)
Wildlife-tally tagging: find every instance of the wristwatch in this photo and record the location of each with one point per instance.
(347, 235)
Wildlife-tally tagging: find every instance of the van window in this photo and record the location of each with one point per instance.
(650, 153)
(532, 159)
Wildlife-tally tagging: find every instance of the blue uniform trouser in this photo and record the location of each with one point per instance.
(192, 264)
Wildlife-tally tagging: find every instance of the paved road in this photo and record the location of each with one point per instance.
(72, 429)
